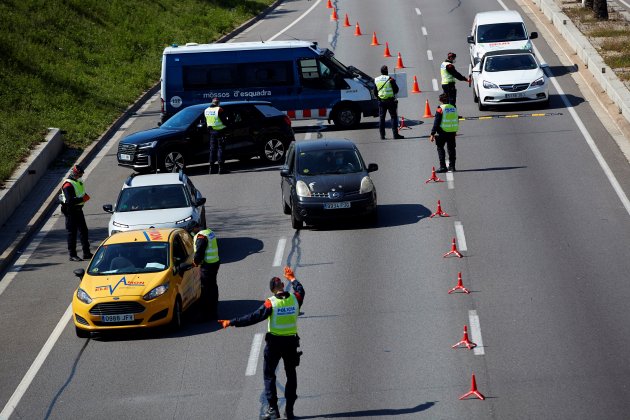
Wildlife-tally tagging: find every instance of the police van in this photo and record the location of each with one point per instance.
(298, 77)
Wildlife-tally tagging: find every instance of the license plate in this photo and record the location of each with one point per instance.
(123, 156)
(339, 205)
(514, 95)
(117, 318)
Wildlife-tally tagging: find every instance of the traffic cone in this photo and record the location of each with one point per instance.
(399, 63)
(434, 177)
(374, 40)
(453, 251)
(473, 390)
(346, 22)
(415, 88)
(460, 285)
(427, 110)
(386, 52)
(439, 211)
(357, 30)
(465, 341)
(402, 125)
(334, 16)
(329, 5)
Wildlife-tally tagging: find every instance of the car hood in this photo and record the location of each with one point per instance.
(513, 76)
(118, 285)
(149, 135)
(157, 218)
(334, 182)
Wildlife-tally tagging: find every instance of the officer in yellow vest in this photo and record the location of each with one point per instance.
(282, 310)
(445, 126)
(214, 114)
(385, 90)
(449, 76)
(73, 197)
(207, 257)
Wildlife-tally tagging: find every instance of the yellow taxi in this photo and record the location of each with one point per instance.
(137, 279)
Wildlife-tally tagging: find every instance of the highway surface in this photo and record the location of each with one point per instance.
(537, 207)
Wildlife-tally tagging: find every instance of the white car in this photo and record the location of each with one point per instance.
(166, 200)
(509, 77)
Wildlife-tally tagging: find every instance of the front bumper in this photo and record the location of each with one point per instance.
(311, 209)
(499, 96)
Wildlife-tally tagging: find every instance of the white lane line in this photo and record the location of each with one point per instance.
(450, 180)
(424, 31)
(252, 362)
(302, 16)
(418, 12)
(277, 260)
(624, 3)
(475, 333)
(435, 85)
(461, 239)
(37, 364)
(429, 55)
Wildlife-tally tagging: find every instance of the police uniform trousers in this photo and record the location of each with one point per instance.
(285, 348)
(209, 290)
(391, 106)
(447, 139)
(217, 141)
(75, 222)
(450, 91)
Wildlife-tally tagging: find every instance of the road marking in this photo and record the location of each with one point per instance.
(330, 38)
(252, 362)
(418, 12)
(461, 239)
(450, 180)
(302, 16)
(429, 55)
(277, 260)
(475, 333)
(424, 31)
(37, 364)
(435, 85)
(493, 117)
(624, 3)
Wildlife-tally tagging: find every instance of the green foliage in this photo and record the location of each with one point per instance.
(77, 64)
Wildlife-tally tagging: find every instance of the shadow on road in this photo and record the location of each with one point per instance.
(385, 412)
(237, 249)
(389, 215)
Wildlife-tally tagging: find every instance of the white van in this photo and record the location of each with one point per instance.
(498, 30)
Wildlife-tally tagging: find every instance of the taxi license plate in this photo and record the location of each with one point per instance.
(514, 95)
(123, 156)
(117, 318)
(339, 205)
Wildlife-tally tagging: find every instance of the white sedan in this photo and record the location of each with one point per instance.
(509, 77)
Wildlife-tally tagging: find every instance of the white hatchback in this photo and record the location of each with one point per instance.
(509, 77)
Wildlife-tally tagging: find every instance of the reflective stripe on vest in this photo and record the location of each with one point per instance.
(79, 191)
(446, 76)
(450, 120)
(384, 87)
(212, 118)
(284, 315)
(212, 250)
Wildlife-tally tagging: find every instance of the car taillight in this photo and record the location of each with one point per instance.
(287, 120)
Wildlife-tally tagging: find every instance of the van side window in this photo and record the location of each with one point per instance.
(243, 75)
(317, 75)
(205, 76)
(277, 73)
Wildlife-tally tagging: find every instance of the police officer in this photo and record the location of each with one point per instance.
(73, 197)
(282, 310)
(445, 126)
(214, 121)
(449, 76)
(207, 256)
(386, 90)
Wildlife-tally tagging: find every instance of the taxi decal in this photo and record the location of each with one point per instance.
(153, 235)
(123, 281)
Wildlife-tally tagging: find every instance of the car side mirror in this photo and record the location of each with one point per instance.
(372, 167)
(108, 208)
(285, 173)
(533, 35)
(201, 201)
(182, 268)
(79, 272)
(471, 39)
(477, 68)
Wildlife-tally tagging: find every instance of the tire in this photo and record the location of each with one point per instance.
(176, 321)
(296, 223)
(172, 161)
(285, 207)
(481, 106)
(475, 97)
(273, 150)
(82, 333)
(346, 116)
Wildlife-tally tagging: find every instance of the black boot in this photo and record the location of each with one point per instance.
(211, 169)
(222, 169)
(288, 410)
(271, 413)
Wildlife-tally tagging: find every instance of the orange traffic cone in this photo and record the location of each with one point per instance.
(402, 125)
(386, 52)
(357, 30)
(473, 390)
(460, 285)
(346, 22)
(434, 177)
(415, 88)
(427, 110)
(453, 250)
(333, 16)
(439, 211)
(399, 63)
(329, 5)
(465, 341)
(374, 40)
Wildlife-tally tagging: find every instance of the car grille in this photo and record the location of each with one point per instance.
(116, 308)
(329, 194)
(129, 149)
(515, 88)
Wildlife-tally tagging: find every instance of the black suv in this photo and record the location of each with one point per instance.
(253, 128)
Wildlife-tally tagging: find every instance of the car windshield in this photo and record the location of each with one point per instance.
(152, 197)
(501, 32)
(318, 162)
(130, 258)
(510, 62)
(182, 119)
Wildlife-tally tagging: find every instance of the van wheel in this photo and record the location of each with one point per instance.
(172, 161)
(176, 321)
(346, 116)
(273, 149)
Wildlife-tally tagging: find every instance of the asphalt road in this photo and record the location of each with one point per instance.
(546, 258)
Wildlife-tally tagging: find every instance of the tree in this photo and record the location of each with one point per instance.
(600, 8)
(587, 3)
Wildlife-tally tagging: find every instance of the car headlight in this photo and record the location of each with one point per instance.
(157, 291)
(489, 85)
(83, 296)
(148, 145)
(120, 225)
(366, 185)
(188, 219)
(302, 189)
(538, 82)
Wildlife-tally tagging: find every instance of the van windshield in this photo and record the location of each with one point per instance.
(182, 119)
(501, 32)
